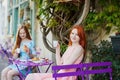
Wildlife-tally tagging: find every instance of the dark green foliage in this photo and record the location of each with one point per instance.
(103, 52)
(63, 48)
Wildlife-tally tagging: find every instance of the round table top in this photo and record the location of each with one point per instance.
(30, 62)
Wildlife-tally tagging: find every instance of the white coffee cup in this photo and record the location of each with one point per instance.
(55, 43)
(18, 50)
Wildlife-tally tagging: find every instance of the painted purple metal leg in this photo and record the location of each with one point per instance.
(21, 76)
(48, 68)
(38, 69)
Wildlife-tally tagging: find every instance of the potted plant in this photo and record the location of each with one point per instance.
(118, 31)
(116, 41)
(21, 13)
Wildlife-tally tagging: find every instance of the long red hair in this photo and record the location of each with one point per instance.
(81, 34)
(18, 39)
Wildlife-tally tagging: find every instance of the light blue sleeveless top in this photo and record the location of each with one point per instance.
(24, 55)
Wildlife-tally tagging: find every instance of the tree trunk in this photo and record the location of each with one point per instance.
(84, 13)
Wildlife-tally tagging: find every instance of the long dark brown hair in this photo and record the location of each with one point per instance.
(18, 39)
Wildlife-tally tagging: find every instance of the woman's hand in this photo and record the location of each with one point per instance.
(26, 49)
(16, 53)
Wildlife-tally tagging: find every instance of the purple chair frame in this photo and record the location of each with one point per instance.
(83, 69)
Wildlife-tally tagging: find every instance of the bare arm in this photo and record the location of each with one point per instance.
(58, 57)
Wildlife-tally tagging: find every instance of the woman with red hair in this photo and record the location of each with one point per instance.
(23, 49)
(73, 55)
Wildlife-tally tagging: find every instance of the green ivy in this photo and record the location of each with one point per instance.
(63, 48)
(105, 18)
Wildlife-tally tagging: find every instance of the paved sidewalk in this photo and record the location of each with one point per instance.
(3, 64)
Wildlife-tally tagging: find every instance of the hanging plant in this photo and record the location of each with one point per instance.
(28, 25)
(21, 13)
(8, 17)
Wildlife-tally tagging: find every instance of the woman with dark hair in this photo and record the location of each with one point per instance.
(73, 55)
(23, 49)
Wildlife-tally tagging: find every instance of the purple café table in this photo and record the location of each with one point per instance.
(30, 64)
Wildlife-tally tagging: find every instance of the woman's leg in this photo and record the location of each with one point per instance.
(30, 77)
(39, 76)
(4, 73)
(11, 73)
